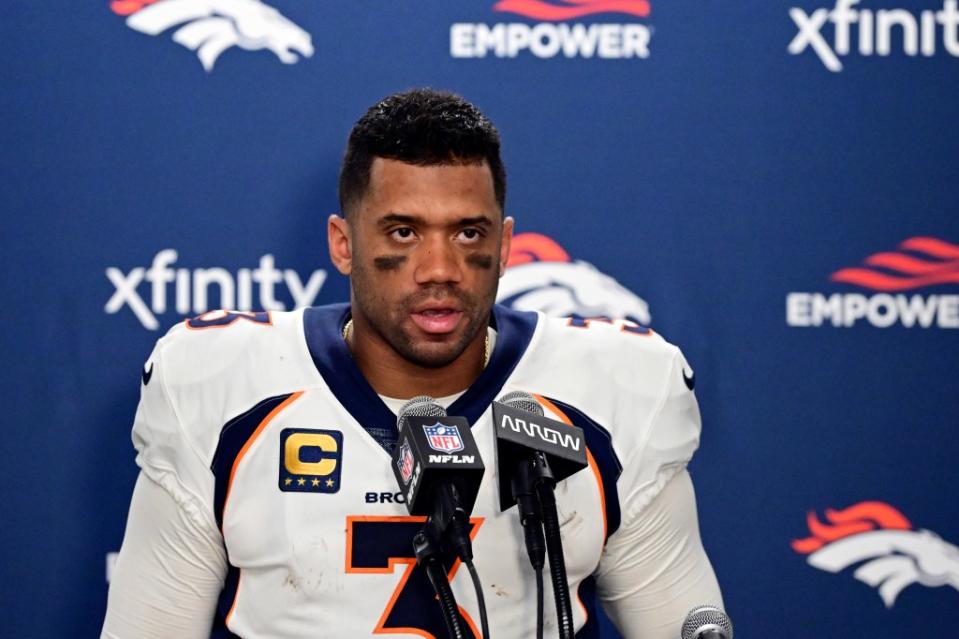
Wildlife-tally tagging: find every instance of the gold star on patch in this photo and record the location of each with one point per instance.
(300, 481)
(315, 482)
(329, 483)
(288, 481)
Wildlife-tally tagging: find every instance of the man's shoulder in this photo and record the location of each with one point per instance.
(606, 368)
(227, 360)
(211, 368)
(598, 344)
(221, 339)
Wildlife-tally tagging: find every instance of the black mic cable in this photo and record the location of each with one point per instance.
(522, 484)
(534, 473)
(557, 563)
(451, 522)
(428, 556)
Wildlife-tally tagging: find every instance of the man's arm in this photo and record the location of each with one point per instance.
(172, 563)
(169, 573)
(654, 569)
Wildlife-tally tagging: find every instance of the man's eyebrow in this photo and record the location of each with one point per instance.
(399, 218)
(476, 220)
(403, 218)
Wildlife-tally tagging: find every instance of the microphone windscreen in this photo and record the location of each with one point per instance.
(521, 400)
(419, 406)
(707, 620)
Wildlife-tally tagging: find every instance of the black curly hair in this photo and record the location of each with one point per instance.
(423, 127)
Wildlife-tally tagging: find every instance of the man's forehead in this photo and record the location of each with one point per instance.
(390, 169)
(467, 187)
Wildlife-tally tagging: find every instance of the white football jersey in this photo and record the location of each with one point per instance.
(262, 427)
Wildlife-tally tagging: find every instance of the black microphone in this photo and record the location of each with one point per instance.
(707, 622)
(532, 454)
(524, 434)
(438, 468)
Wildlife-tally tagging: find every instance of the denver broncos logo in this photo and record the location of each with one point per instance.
(210, 27)
(541, 276)
(895, 554)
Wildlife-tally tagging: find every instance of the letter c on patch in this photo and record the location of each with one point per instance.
(296, 442)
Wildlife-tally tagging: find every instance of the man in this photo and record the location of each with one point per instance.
(267, 506)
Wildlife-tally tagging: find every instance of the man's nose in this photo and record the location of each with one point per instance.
(438, 262)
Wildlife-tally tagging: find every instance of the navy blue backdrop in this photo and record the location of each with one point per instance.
(773, 182)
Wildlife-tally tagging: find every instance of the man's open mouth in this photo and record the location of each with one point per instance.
(437, 320)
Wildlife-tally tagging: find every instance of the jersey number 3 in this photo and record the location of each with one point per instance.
(378, 545)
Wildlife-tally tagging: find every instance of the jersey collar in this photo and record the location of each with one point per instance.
(323, 327)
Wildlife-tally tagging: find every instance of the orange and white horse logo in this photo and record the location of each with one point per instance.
(541, 276)
(209, 27)
(893, 554)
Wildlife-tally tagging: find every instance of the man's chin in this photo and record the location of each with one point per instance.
(429, 356)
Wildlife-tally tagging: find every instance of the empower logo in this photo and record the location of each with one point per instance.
(553, 35)
(210, 27)
(892, 554)
(192, 288)
(917, 263)
(878, 32)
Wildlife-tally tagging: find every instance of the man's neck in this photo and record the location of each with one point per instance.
(392, 375)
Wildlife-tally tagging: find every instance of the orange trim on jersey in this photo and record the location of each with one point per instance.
(410, 563)
(236, 598)
(249, 442)
(469, 620)
(589, 457)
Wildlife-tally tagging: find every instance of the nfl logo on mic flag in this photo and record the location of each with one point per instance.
(443, 438)
(430, 449)
(405, 462)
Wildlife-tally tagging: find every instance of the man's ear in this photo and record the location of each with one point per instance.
(341, 244)
(505, 244)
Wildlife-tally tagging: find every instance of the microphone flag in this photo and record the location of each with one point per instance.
(519, 431)
(433, 449)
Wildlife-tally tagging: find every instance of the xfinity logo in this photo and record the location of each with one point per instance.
(876, 32)
(566, 440)
(191, 288)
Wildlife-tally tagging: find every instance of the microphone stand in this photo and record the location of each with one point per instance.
(533, 484)
(428, 555)
(557, 564)
(450, 522)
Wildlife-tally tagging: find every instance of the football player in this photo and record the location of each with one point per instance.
(266, 506)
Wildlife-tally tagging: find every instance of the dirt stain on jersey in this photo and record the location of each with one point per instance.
(293, 582)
